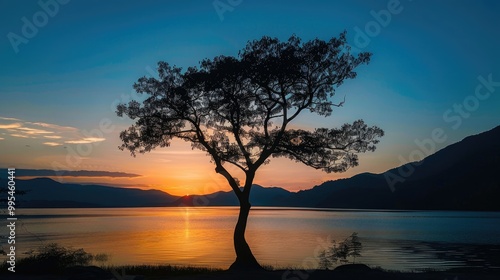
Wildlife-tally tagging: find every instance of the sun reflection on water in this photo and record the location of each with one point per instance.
(203, 236)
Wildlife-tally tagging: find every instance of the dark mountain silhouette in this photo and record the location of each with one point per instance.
(45, 192)
(259, 196)
(363, 191)
(462, 176)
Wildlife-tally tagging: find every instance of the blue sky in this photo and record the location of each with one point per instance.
(427, 57)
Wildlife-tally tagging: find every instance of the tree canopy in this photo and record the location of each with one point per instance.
(239, 109)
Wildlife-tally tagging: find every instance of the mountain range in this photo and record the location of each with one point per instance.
(461, 176)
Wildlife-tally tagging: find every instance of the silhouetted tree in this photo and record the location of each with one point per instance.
(355, 247)
(239, 110)
(340, 252)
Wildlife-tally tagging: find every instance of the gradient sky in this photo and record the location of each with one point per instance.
(60, 83)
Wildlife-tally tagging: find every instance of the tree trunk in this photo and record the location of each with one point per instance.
(244, 257)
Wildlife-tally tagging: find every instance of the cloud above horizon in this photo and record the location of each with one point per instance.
(70, 173)
(86, 140)
(58, 134)
(53, 144)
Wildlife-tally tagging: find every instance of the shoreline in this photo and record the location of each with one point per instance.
(343, 272)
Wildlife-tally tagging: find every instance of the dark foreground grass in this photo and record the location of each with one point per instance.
(59, 263)
(154, 272)
(164, 272)
(354, 274)
(345, 272)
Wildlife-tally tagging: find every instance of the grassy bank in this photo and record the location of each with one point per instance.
(348, 272)
(60, 263)
(164, 272)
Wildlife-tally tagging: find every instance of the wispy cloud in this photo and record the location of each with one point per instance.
(53, 144)
(9, 119)
(71, 173)
(33, 131)
(14, 127)
(53, 126)
(10, 126)
(19, 135)
(86, 140)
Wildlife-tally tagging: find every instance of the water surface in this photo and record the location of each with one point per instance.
(403, 240)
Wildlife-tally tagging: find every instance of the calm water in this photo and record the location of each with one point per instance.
(403, 240)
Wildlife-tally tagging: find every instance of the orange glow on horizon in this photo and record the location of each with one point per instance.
(179, 170)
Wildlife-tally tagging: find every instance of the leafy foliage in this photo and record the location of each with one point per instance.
(340, 252)
(239, 109)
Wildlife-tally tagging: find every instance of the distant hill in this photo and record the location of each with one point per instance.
(45, 192)
(259, 196)
(462, 176)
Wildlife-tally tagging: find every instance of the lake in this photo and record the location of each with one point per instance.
(282, 237)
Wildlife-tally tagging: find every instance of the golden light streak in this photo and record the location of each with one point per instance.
(10, 126)
(86, 140)
(52, 144)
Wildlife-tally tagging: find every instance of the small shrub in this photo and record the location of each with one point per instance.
(53, 258)
(340, 252)
(101, 258)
